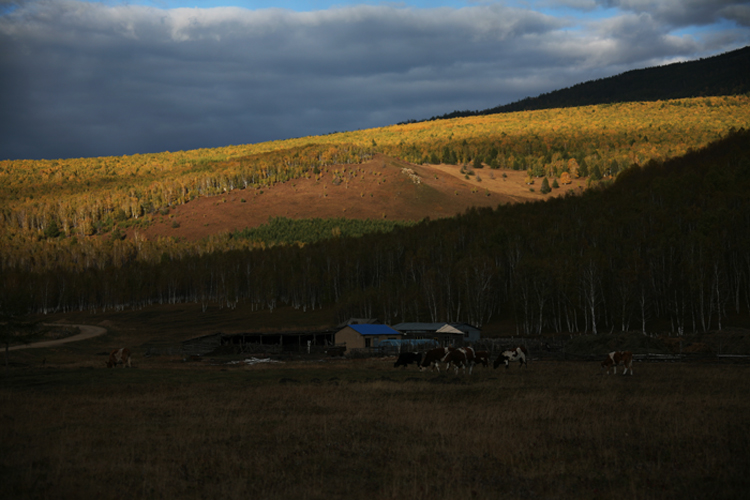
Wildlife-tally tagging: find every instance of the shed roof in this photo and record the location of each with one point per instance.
(446, 328)
(370, 329)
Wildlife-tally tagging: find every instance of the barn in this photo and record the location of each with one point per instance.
(365, 336)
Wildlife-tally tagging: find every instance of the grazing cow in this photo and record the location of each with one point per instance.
(471, 357)
(119, 356)
(518, 354)
(458, 358)
(433, 358)
(615, 358)
(407, 358)
(482, 357)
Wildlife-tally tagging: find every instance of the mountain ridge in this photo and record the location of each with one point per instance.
(723, 74)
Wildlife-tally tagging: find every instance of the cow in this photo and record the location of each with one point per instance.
(459, 358)
(433, 358)
(518, 354)
(482, 357)
(119, 356)
(471, 357)
(615, 358)
(407, 358)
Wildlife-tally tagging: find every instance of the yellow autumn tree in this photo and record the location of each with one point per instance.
(573, 167)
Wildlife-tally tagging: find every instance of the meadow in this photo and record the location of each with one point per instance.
(358, 428)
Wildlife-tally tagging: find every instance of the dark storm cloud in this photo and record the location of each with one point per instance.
(86, 79)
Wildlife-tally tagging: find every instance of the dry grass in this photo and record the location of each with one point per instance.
(362, 429)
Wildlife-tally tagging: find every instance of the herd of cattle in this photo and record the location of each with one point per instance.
(458, 358)
(466, 357)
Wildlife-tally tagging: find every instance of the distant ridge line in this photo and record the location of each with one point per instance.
(723, 74)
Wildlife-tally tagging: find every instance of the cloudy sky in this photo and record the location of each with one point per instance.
(84, 78)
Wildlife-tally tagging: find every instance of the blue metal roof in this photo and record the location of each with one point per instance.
(369, 329)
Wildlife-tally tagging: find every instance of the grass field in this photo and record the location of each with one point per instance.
(339, 428)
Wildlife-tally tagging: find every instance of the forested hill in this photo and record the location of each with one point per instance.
(725, 74)
(664, 246)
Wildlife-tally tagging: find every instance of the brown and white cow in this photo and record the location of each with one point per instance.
(615, 358)
(458, 358)
(518, 354)
(433, 358)
(121, 355)
(471, 358)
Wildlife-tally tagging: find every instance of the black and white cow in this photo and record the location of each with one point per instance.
(408, 358)
(518, 354)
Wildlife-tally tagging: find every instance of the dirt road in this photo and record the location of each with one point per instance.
(87, 332)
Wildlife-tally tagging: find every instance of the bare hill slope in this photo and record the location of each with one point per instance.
(384, 187)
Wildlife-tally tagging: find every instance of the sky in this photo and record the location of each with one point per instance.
(109, 78)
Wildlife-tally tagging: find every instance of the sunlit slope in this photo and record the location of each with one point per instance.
(93, 195)
(381, 189)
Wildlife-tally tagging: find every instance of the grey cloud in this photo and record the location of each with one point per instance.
(82, 79)
(737, 13)
(681, 13)
(632, 38)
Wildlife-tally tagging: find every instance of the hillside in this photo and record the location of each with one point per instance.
(45, 202)
(723, 74)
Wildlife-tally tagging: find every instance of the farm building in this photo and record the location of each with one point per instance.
(289, 341)
(365, 335)
(445, 333)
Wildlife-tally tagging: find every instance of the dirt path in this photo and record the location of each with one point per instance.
(87, 332)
